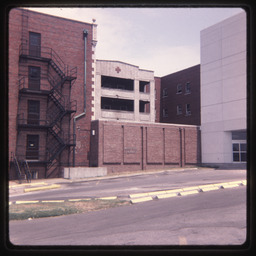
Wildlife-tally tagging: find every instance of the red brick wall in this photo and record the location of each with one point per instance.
(173, 99)
(157, 98)
(124, 146)
(65, 37)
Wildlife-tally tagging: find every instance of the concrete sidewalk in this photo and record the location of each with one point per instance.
(43, 184)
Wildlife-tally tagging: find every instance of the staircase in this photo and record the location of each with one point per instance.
(58, 142)
(22, 169)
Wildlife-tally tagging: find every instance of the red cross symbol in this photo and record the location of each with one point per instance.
(118, 69)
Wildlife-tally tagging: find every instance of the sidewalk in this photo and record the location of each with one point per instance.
(16, 188)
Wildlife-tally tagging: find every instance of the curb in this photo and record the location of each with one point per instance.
(53, 186)
(147, 196)
(62, 201)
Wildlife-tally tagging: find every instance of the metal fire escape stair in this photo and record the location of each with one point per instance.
(56, 147)
(22, 169)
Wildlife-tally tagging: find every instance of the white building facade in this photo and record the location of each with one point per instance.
(124, 92)
(223, 91)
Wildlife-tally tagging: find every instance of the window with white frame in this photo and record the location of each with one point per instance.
(187, 88)
(179, 88)
(165, 92)
(179, 110)
(188, 110)
(165, 112)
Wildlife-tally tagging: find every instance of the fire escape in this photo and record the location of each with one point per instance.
(59, 138)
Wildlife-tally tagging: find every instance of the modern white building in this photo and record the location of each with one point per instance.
(124, 92)
(223, 91)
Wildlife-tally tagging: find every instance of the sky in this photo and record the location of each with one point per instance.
(164, 40)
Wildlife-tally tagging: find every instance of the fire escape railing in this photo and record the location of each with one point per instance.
(56, 79)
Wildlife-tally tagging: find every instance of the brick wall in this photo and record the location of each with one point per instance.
(123, 146)
(157, 98)
(170, 102)
(65, 37)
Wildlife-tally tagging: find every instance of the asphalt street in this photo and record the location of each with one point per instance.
(123, 186)
(207, 218)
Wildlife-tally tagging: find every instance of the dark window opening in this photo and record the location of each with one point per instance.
(117, 104)
(179, 88)
(32, 149)
(187, 88)
(34, 44)
(117, 83)
(165, 92)
(34, 74)
(165, 112)
(144, 106)
(239, 135)
(179, 110)
(188, 110)
(33, 112)
(239, 152)
(145, 86)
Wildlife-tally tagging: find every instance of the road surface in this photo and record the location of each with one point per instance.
(207, 218)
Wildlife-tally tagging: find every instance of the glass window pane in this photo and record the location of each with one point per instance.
(243, 147)
(235, 147)
(236, 157)
(243, 157)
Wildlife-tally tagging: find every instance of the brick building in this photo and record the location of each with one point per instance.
(67, 110)
(51, 69)
(180, 97)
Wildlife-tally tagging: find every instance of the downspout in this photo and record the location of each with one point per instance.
(85, 34)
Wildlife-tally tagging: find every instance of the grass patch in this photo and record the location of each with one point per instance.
(42, 210)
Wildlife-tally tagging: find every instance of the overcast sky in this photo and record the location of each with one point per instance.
(164, 40)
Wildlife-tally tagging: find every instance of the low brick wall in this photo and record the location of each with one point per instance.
(83, 172)
(130, 146)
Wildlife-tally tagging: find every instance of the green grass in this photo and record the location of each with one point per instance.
(42, 210)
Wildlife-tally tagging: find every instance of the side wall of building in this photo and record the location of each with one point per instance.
(188, 81)
(123, 146)
(223, 87)
(66, 38)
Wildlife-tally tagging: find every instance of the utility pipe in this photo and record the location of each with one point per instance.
(85, 34)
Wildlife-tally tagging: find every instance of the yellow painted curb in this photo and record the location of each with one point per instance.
(26, 202)
(138, 195)
(190, 188)
(209, 188)
(142, 199)
(53, 201)
(42, 188)
(230, 185)
(108, 198)
(78, 200)
(166, 195)
(27, 184)
(173, 190)
(189, 192)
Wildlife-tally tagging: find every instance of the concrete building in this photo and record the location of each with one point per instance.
(180, 97)
(124, 92)
(223, 92)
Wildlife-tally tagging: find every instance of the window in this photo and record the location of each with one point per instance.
(33, 112)
(165, 112)
(165, 92)
(32, 149)
(187, 88)
(179, 88)
(179, 110)
(34, 74)
(239, 151)
(34, 44)
(188, 110)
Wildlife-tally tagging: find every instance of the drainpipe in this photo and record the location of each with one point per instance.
(85, 34)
